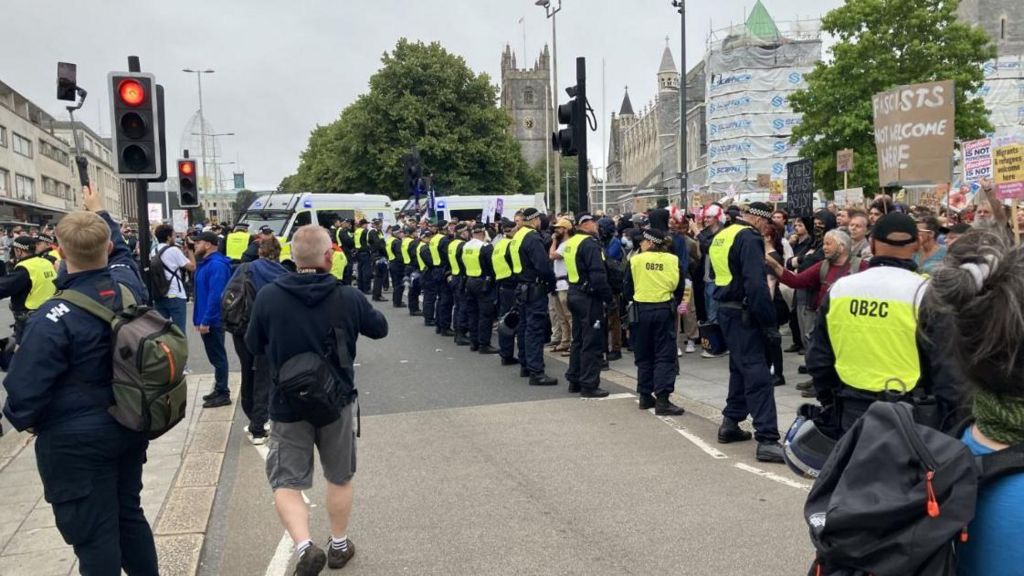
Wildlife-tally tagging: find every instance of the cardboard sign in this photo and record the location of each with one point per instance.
(179, 218)
(844, 161)
(1009, 168)
(914, 128)
(800, 188)
(764, 180)
(849, 197)
(775, 191)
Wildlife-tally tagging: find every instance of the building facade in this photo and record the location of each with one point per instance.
(1002, 19)
(1003, 90)
(525, 97)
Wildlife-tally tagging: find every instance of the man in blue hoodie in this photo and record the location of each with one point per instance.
(293, 316)
(255, 372)
(212, 274)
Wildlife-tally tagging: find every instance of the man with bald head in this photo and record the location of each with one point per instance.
(307, 326)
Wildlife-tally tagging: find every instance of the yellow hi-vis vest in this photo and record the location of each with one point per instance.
(501, 268)
(236, 244)
(41, 273)
(655, 276)
(419, 256)
(55, 255)
(406, 257)
(517, 242)
(435, 248)
(471, 258)
(721, 244)
(338, 264)
(572, 246)
(872, 325)
(453, 246)
(360, 238)
(388, 250)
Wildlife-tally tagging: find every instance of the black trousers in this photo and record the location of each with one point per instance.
(506, 302)
(428, 281)
(397, 270)
(415, 285)
(93, 480)
(365, 272)
(750, 387)
(481, 310)
(585, 355)
(247, 364)
(380, 276)
(654, 350)
(445, 300)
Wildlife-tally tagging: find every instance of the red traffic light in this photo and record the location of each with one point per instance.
(131, 92)
(186, 168)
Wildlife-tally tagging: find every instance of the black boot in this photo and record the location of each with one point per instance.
(575, 388)
(487, 350)
(647, 401)
(474, 347)
(597, 392)
(461, 339)
(769, 452)
(447, 332)
(523, 372)
(510, 361)
(664, 407)
(614, 355)
(730, 432)
(543, 380)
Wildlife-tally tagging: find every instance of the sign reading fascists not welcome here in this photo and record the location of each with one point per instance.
(914, 128)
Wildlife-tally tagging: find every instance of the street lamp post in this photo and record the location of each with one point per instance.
(551, 9)
(202, 120)
(683, 156)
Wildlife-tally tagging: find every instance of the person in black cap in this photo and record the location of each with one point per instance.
(361, 244)
(865, 340)
(457, 283)
(501, 263)
(398, 259)
(30, 283)
(415, 269)
(747, 316)
(434, 254)
(343, 238)
(445, 302)
(536, 279)
(375, 238)
(589, 294)
(252, 253)
(480, 299)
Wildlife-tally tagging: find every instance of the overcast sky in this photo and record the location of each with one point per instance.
(283, 67)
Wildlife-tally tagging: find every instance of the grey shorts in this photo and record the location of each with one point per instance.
(290, 457)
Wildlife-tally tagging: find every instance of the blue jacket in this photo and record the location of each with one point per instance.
(61, 374)
(264, 272)
(212, 275)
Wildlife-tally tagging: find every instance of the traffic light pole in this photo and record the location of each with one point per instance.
(582, 179)
(142, 206)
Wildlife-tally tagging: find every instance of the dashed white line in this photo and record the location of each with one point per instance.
(773, 477)
(693, 438)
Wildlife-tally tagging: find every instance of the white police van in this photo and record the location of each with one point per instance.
(285, 213)
(467, 207)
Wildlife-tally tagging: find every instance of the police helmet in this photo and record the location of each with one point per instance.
(806, 447)
(508, 323)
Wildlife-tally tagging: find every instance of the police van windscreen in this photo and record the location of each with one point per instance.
(276, 219)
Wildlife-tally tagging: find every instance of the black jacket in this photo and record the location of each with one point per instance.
(537, 266)
(749, 278)
(591, 268)
(290, 317)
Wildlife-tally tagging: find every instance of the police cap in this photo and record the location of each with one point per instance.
(24, 243)
(654, 235)
(531, 213)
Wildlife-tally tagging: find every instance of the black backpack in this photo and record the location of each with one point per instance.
(314, 381)
(158, 281)
(894, 497)
(237, 301)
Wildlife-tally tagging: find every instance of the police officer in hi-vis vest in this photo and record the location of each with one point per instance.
(376, 240)
(361, 244)
(501, 262)
(653, 285)
(481, 299)
(747, 316)
(237, 241)
(29, 284)
(589, 293)
(457, 283)
(536, 279)
(865, 342)
(398, 259)
(433, 282)
(343, 238)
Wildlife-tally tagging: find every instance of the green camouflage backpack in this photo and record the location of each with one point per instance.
(149, 356)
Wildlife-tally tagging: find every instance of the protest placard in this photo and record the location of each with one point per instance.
(844, 161)
(1009, 169)
(180, 221)
(800, 188)
(849, 197)
(914, 129)
(977, 159)
(775, 189)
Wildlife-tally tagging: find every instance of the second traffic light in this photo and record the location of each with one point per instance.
(135, 128)
(188, 190)
(571, 139)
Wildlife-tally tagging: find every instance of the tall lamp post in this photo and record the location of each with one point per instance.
(552, 8)
(202, 120)
(683, 156)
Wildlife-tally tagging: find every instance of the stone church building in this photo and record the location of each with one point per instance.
(525, 96)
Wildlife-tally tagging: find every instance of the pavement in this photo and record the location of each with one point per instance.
(465, 469)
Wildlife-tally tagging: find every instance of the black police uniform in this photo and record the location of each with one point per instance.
(480, 296)
(396, 267)
(360, 239)
(506, 298)
(343, 238)
(17, 285)
(746, 313)
(414, 277)
(536, 281)
(589, 293)
(59, 386)
(457, 283)
(445, 298)
(380, 263)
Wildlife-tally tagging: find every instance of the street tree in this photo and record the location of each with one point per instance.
(882, 44)
(242, 201)
(422, 98)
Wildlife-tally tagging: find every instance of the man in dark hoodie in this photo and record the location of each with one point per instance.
(213, 270)
(255, 372)
(293, 316)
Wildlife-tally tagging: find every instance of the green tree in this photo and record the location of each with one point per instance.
(242, 201)
(424, 98)
(882, 44)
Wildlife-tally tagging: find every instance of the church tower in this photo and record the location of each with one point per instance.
(524, 96)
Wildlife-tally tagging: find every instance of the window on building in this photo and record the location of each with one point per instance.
(529, 97)
(5, 182)
(3, 136)
(24, 187)
(53, 153)
(22, 145)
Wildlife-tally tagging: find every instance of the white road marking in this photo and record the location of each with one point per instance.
(693, 438)
(278, 565)
(773, 477)
(621, 396)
